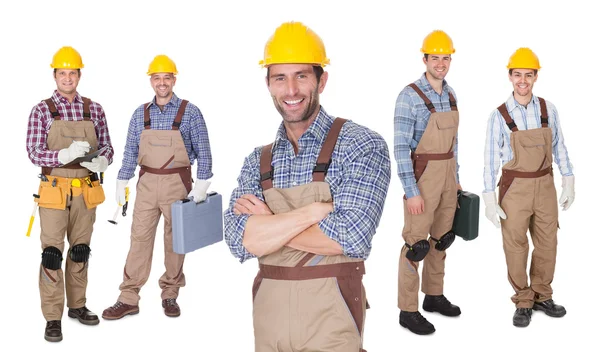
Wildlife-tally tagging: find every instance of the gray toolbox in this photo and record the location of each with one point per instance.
(197, 225)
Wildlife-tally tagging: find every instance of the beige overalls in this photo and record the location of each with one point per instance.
(528, 197)
(305, 302)
(164, 178)
(67, 205)
(435, 172)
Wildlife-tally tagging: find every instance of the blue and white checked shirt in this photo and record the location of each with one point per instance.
(359, 176)
(410, 120)
(193, 131)
(497, 140)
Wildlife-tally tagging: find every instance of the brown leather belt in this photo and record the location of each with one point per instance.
(508, 176)
(184, 172)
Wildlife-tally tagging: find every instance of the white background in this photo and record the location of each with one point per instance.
(374, 50)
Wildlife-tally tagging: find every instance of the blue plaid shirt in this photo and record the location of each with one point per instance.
(410, 120)
(359, 176)
(497, 141)
(193, 131)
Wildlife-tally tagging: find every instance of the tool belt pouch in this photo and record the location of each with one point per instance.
(466, 217)
(51, 197)
(93, 196)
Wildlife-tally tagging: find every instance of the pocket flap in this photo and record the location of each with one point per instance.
(445, 123)
(160, 141)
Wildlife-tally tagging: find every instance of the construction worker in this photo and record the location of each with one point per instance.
(522, 134)
(307, 206)
(60, 129)
(165, 136)
(425, 147)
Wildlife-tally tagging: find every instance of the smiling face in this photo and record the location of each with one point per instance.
(67, 81)
(163, 84)
(523, 81)
(295, 91)
(437, 66)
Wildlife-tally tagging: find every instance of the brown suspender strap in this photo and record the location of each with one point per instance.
(305, 259)
(544, 111)
(179, 116)
(146, 116)
(426, 100)
(52, 109)
(86, 108)
(324, 159)
(453, 106)
(266, 170)
(509, 121)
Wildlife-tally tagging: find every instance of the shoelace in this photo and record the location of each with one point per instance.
(419, 318)
(54, 324)
(523, 311)
(170, 301)
(117, 305)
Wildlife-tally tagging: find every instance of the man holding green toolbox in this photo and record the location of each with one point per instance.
(60, 130)
(523, 135)
(425, 147)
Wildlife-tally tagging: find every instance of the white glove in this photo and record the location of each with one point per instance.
(121, 184)
(98, 164)
(568, 192)
(492, 208)
(199, 192)
(75, 150)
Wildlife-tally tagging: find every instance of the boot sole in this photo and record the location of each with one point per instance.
(173, 315)
(53, 338)
(521, 325)
(416, 332)
(548, 312)
(83, 321)
(132, 312)
(430, 310)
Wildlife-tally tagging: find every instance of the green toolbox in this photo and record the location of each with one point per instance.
(466, 218)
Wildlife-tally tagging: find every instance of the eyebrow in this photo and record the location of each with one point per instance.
(307, 71)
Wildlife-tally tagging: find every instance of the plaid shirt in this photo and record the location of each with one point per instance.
(40, 121)
(497, 143)
(193, 131)
(359, 176)
(410, 120)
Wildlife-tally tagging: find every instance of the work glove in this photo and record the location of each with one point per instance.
(568, 192)
(98, 164)
(75, 150)
(198, 194)
(492, 208)
(121, 184)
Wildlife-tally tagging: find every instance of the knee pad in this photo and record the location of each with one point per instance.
(51, 258)
(417, 251)
(445, 241)
(80, 253)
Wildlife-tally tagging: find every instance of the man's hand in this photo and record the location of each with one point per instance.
(416, 205)
(250, 204)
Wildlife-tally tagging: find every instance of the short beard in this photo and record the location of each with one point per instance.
(312, 106)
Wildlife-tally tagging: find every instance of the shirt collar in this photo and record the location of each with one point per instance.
(59, 98)
(512, 103)
(423, 82)
(317, 130)
(173, 102)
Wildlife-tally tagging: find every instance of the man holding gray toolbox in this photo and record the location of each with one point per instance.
(165, 136)
(60, 132)
(523, 135)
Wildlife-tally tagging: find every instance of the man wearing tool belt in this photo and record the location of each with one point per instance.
(523, 134)
(165, 136)
(425, 147)
(307, 206)
(61, 129)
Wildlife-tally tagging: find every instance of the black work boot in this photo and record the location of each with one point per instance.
(550, 308)
(416, 323)
(441, 305)
(522, 317)
(53, 331)
(84, 315)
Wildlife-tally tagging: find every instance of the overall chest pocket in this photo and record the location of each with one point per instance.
(76, 134)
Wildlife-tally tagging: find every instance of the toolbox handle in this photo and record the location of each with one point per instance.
(209, 194)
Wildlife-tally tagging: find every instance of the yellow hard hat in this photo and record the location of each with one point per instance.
(294, 43)
(524, 58)
(437, 42)
(162, 64)
(67, 58)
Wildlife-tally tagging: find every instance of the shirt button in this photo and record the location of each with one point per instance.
(160, 125)
(295, 183)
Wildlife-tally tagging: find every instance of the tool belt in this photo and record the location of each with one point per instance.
(420, 161)
(508, 176)
(184, 172)
(54, 191)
